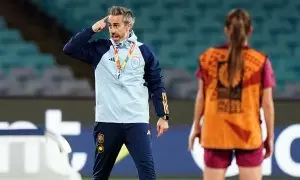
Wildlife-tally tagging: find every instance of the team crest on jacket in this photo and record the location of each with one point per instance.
(135, 61)
(100, 138)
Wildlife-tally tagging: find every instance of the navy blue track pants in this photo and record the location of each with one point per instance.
(109, 138)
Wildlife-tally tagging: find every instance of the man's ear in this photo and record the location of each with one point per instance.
(129, 27)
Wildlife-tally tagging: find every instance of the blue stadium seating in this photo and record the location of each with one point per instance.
(24, 70)
(179, 30)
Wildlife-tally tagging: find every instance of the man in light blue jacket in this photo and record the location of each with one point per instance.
(127, 74)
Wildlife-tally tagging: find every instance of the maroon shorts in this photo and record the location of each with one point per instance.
(214, 158)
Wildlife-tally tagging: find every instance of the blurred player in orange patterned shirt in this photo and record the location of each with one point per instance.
(235, 81)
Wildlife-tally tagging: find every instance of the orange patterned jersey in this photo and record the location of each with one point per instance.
(231, 115)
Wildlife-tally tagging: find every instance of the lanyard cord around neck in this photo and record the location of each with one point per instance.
(122, 65)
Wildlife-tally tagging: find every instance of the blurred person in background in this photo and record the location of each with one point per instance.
(234, 82)
(126, 73)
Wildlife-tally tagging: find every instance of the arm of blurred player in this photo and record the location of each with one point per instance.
(199, 105)
(198, 112)
(79, 46)
(268, 106)
(156, 88)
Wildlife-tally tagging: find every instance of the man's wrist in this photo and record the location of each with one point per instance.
(165, 117)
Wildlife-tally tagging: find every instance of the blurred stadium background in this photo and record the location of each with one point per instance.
(35, 75)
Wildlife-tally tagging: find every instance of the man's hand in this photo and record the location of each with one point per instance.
(162, 126)
(100, 25)
(196, 133)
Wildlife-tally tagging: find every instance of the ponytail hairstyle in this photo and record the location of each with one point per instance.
(238, 25)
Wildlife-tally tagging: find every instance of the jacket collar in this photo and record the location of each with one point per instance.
(125, 42)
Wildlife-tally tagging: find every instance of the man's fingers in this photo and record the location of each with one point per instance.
(161, 127)
(158, 128)
(102, 26)
(165, 129)
(106, 17)
(161, 131)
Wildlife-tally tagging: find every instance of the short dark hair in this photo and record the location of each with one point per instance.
(126, 12)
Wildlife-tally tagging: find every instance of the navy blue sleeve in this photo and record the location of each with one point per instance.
(154, 82)
(79, 47)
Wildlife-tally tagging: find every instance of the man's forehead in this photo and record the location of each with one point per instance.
(115, 19)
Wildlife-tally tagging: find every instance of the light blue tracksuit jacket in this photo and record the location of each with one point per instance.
(124, 99)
